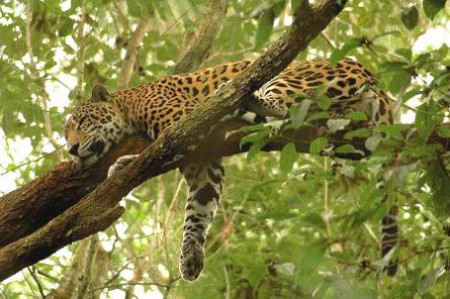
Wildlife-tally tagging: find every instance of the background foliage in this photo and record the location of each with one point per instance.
(290, 225)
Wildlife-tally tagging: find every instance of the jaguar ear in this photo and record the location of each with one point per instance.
(100, 93)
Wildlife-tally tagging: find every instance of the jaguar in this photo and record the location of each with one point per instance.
(106, 118)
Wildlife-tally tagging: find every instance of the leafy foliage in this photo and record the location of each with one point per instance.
(290, 225)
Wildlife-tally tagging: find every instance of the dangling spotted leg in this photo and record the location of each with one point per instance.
(205, 185)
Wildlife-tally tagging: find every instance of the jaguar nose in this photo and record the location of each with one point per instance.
(74, 149)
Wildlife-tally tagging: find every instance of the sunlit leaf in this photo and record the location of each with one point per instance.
(394, 131)
(425, 119)
(265, 24)
(400, 81)
(439, 181)
(288, 157)
(410, 17)
(357, 115)
(339, 54)
(299, 112)
(358, 133)
(430, 279)
(433, 7)
(317, 145)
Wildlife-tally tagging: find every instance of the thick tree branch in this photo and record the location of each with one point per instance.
(67, 187)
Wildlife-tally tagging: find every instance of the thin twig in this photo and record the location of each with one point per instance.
(32, 271)
(329, 42)
(81, 53)
(48, 276)
(119, 285)
(29, 162)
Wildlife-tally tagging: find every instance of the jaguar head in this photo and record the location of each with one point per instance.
(93, 127)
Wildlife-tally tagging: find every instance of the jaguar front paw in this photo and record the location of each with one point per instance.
(120, 164)
(191, 260)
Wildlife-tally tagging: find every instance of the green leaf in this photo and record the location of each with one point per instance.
(254, 137)
(160, 9)
(295, 4)
(410, 17)
(8, 121)
(358, 133)
(439, 181)
(135, 8)
(318, 145)
(319, 115)
(251, 128)
(312, 256)
(339, 54)
(425, 121)
(404, 52)
(429, 280)
(410, 94)
(392, 66)
(433, 7)
(443, 79)
(167, 51)
(357, 115)
(394, 131)
(53, 5)
(443, 131)
(299, 112)
(323, 101)
(356, 219)
(441, 53)
(314, 219)
(287, 157)
(254, 149)
(66, 27)
(257, 272)
(75, 3)
(400, 81)
(422, 59)
(346, 149)
(265, 26)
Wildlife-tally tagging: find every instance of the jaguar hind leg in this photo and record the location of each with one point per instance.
(205, 185)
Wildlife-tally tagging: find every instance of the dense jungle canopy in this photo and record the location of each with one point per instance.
(289, 225)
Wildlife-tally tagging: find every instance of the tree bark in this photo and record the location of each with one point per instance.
(99, 209)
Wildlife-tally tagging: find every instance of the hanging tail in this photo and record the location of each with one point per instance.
(389, 240)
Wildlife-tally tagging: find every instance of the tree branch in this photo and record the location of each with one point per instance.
(99, 209)
(133, 51)
(207, 32)
(61, 191)
(69, 282)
